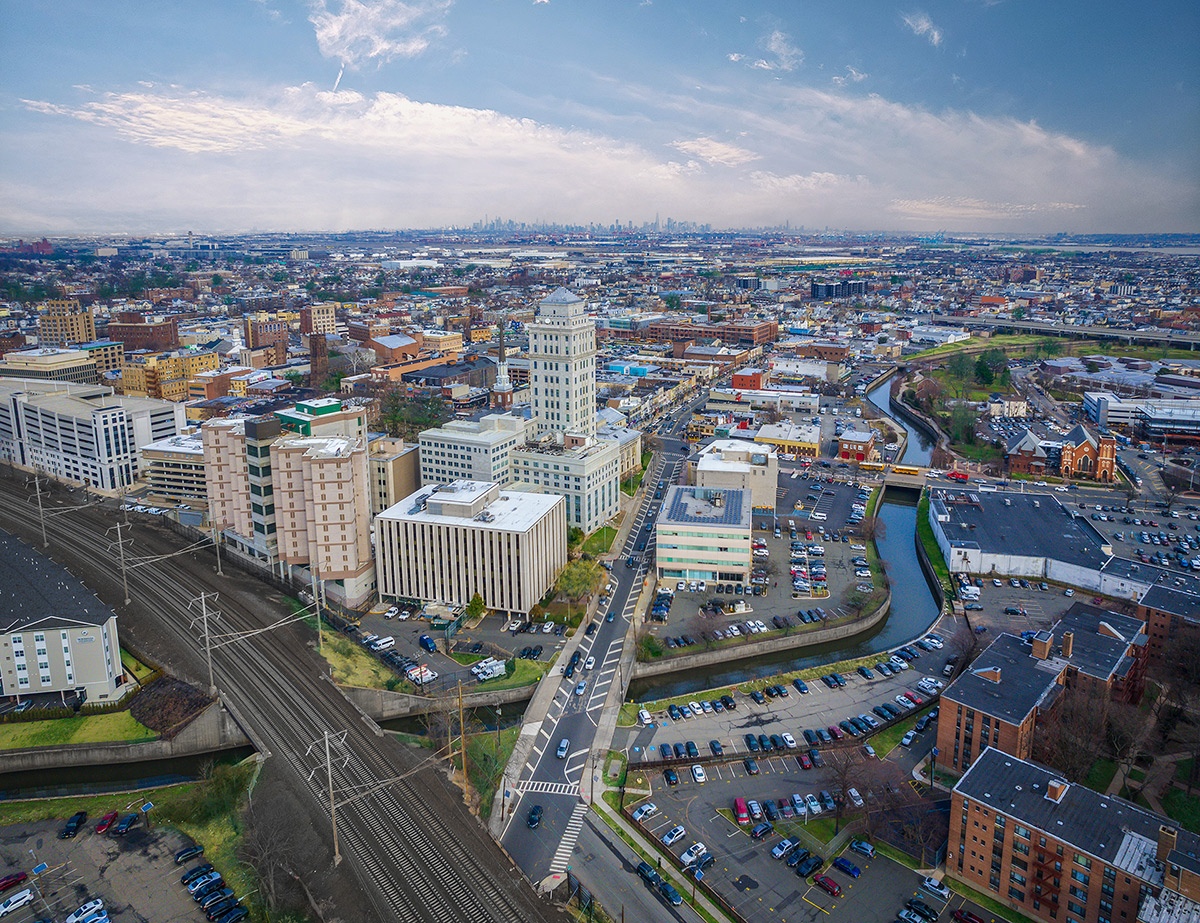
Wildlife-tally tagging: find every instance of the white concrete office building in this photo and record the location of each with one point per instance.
(703, 533)
(465, 450)
(736, 463)
(445, 543)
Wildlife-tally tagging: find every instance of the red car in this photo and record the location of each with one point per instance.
(914, 698)
(828, 885)
(9, 882)
(965, 916)
(107, 821)
(805, 761)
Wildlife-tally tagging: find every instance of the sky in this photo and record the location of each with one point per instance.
(1002, 116)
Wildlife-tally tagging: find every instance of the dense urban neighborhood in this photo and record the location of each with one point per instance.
(528, 572)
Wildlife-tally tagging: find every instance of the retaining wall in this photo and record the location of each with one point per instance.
(730, 654)
(382, 705)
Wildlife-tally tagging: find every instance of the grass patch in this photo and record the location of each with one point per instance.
(117, 727)
(1003, 911)
(487, 755)
(896, 855)
(932, 551)
(1006, 342)
(354, 666)
(1183, 770)
(1100, 775)
(820, 828)
(527, 673)
(465, 659)
(600, 541)
(1138, 775)
(1182, 807)
(132, 665)
(889, 738)
(413, 740)
(982, 452)
(206, 811)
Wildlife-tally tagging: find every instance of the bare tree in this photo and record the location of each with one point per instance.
(846, 772)
(1126, 731)
(1073, 733)
(964, 644)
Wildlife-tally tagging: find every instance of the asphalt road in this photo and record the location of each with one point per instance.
(415, 852)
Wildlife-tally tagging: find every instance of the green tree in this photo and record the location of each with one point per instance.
(983, 372)
(962, 424)
(476, 607)
(1018, 312)
(1051, 347)
(672, 301)
(960, 366)
(574, 536)
(578, 579)
(217, 280)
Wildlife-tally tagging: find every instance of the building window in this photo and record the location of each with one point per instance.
(1083, 860)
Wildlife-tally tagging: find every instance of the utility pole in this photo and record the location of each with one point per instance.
(37, 490)
(203, 600)
(121, 556)
(337, 856)
(462, 735)
(216, 547)
(317, 605)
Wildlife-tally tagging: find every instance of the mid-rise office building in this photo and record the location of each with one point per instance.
(77, 366)
(465, 450)
(1061, 853)
(735, 463)
(55, 635)
(140, 333)
(587, 474)
(319, 318)
(165, 375)
(65, 322)
(703, 533)
(447, 542)
(81, 433)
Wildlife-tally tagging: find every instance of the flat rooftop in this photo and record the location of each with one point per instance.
(511, 511)
(1030, 525)
(706, 506)
(36, 590)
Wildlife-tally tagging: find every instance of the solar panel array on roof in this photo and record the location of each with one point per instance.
(706, 506)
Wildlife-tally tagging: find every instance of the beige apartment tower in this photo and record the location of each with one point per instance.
(445, 543)
(65, 322)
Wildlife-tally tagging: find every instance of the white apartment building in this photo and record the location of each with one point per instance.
(445, 543)
(703, 533)
(81, 433)
(55, 635)
(293, 501)
(465, 450)
(736, 463)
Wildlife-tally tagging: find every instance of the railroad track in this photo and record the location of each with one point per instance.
(416, 851)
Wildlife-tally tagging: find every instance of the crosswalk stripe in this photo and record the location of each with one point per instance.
(548, 788)
(566, 846)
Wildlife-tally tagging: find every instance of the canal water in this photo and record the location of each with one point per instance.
(920, 441)
(913, 610)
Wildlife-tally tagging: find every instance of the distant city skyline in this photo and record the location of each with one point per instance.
(330, 115)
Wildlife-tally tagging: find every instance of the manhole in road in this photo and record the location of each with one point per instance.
(745, 883)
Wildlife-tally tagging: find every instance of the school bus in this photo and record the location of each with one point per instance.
(871, 466)
(906, 469)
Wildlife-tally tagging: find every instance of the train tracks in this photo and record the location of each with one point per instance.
(414, 848)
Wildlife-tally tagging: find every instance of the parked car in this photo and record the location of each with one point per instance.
(73, 824)
(106, 822)
(8, 882)
(842, 864)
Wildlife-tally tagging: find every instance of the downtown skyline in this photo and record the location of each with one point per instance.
(970, 115)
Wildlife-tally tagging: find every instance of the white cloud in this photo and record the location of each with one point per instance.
(851, 76)
(305, 158)
(356, 31)
(735, 56)
(921, 25)
(716, 152)
(787, 56)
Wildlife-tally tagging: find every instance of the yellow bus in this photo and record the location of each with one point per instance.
(871, 466)
(906, 469)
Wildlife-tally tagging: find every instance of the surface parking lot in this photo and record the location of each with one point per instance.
(135, 875)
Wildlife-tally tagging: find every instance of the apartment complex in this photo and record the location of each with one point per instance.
(1062, 853)
(395, 471)
(294, 489)
(996, 703)
(166, 375)
(81, 433)
(735, 463)
(65, 322)
(465, 450)
(55, 635)
(447, 542)
(319, 318)
(703, 533)
(138, 332)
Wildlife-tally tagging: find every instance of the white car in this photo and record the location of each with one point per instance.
(935, 642)
(855, 797)
(760, 625)
(589, 663)
(698, 774)
(695, 707)
(692, 853)
(936, 887)
(547, 627)
(649, 809)
(814, 806)
(86, 910)
(674, 835)
(904, 703)
(907, 739)
(16, 901)
(681, 586)
(788, 740)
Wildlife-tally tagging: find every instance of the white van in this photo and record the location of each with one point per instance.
(969, 592)
(817, 517)
(383, 644)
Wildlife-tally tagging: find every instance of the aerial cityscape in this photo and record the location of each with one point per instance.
(639, 461)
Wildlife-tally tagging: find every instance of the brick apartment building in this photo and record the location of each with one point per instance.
(1062, 853)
